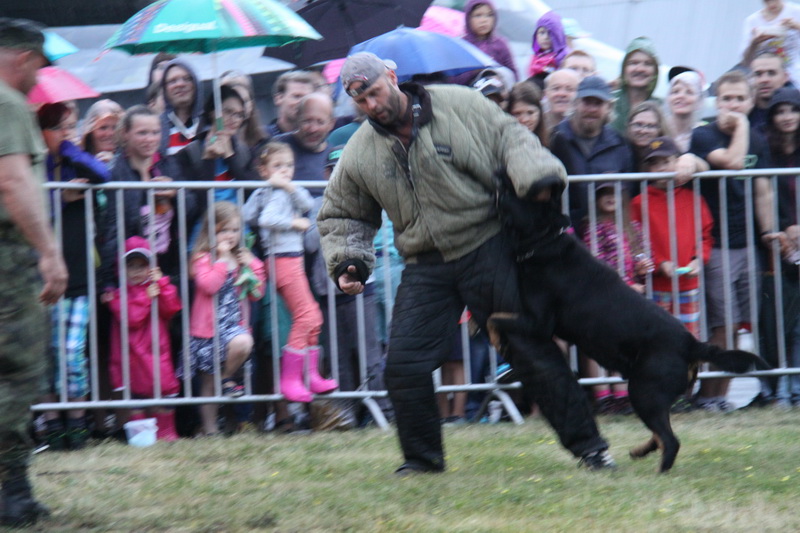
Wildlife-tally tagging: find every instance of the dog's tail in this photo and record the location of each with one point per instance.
(736, 361)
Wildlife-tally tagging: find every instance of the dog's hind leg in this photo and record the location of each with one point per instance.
(651, 397)
(648, 447)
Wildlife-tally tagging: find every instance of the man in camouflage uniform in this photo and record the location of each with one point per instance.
(29, 255)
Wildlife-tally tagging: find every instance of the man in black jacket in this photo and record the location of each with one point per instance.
(586, 144)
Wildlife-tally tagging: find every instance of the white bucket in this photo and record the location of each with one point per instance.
(141, 432)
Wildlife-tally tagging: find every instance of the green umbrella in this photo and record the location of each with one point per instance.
(207, 26)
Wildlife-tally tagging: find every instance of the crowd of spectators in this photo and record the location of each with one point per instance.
(594, 126)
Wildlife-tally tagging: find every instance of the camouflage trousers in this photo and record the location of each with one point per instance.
(23, 348)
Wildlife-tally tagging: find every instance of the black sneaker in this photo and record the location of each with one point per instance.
(77, 433)
(412, 469)
(55, 436)
(597, 460)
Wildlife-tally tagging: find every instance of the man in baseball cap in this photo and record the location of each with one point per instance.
(362, 69)
(427, 156)
(587, 144)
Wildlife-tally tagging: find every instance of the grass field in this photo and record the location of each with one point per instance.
(735, 472)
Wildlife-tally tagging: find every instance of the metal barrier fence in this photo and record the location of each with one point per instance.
(491, 387)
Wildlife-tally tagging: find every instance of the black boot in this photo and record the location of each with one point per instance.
(55, 435)
(19, 507)
(77, 434)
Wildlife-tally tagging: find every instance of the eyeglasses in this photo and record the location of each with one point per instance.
(643, 126)
(238, 115)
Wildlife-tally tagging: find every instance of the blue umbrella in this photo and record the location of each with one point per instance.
(424, 52)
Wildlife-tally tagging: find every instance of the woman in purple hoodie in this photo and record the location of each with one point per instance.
(481, 22)
(549, 45)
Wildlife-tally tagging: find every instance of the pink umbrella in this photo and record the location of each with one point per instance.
(440, 19)
(57, 85)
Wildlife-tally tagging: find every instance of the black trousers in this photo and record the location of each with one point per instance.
(430, 299)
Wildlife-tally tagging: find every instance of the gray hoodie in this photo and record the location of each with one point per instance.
(272, 212)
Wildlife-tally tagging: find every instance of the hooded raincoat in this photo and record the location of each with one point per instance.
(623, 104)
(492, 45)
(549, 60)
(140, 333)
(169, 121)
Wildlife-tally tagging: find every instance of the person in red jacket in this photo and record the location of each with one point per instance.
(144, 284)
(683, 263)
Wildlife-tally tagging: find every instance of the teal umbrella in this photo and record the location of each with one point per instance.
(207, 26)
(56, 47)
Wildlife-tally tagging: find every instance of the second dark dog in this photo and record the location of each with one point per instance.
(569, 293)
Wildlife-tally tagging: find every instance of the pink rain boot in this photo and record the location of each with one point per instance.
(317, 383)
(292, 386)
(166, 426)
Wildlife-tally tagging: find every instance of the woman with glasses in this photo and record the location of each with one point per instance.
(217, 153)
(645, 123)
(252, 132)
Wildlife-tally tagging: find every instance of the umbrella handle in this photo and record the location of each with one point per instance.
(217, 93)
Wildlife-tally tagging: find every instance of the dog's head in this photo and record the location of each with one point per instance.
(530, 221)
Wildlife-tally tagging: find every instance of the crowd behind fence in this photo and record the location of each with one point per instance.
(490, 386)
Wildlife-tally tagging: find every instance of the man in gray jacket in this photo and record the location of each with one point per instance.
(428, 156)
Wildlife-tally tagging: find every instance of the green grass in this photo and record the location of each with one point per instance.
(735, 472)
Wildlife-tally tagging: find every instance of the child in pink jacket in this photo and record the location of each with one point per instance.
(144, 285)
(232, 274)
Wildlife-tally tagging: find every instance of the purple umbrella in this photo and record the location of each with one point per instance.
(345, 23)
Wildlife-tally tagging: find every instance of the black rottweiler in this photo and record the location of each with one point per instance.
(567, 292)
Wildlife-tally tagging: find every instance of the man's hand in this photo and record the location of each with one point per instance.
(349, 283)
(728, 121)
(54, 274)
(684, 169)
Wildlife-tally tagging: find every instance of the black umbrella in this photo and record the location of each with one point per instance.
(344, 23)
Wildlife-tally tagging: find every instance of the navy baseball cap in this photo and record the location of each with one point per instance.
(594, 87)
